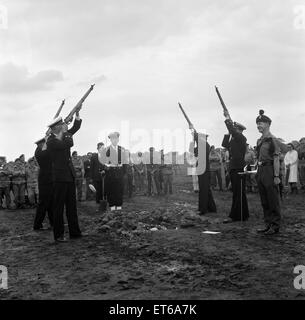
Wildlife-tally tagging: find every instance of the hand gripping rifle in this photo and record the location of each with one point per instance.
(225, 109)
(69, 118)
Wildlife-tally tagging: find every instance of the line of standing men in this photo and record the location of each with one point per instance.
(268, 173)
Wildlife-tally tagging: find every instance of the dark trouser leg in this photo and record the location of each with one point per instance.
(170, 183)
(130, 186)
(157, 182)
(7, 197)
(119, 190)
(16, 195)
(149, 183)
(1, 196)
(110, 189)
(166, 183)
(213, 179)
(79, 188)
(44, 205)
(219, 178)
(71, 210)
(269, 194)
(22, 193)
(238, 196)
(99, 190)
(206, 200)
(60, 194)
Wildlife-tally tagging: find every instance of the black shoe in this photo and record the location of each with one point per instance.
(41, 229)
(272, 231)
(263, 230)
(228, 221)
(61, 240)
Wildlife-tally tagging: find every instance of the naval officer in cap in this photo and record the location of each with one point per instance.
(115, 159)
(63, 175)
(268, 156)
(45, 185)
(236, 143)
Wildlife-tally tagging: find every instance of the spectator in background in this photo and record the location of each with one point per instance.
(87, 176)
(4, 184)
(291, 163)
(140, 173)
(128, 177)
(96, 170)
(79, 171)
(215, 168)
(301, 153)
(19, 183)
(250, 161)
(167, 174)
(32, 172)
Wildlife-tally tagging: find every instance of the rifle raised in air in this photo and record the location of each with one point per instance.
(69, 118)
(225, 109)
(186, 118)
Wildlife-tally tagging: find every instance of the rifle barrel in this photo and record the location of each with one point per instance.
(185, 115)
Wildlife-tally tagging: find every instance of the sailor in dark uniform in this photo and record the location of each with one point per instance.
(114, 159)
(45, 185)
(201, 152)
(63, 174)
(236, 143)
(268, 156)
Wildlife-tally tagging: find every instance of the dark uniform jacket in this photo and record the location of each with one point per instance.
(237, 146)
(95, 168)
(62, 167)
(44, 160)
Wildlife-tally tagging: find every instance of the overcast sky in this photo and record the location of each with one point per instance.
(144, 57)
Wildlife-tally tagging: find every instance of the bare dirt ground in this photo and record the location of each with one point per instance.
(121, 258)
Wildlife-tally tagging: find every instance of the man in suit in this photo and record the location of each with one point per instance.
(236, 143)
(115, 161)
(63, 174)
(45, 185)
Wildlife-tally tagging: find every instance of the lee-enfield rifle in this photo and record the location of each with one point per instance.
(69, 118)
(225, 109)
(191, 127)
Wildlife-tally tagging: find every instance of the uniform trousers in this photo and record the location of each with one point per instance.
(45, 205)
(269, 194)
(206, 200)
(115, 186)
(239, 196)
(65, 196)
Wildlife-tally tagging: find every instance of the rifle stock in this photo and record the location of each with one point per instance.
(69, 118)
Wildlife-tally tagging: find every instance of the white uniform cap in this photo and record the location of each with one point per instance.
(55, 122)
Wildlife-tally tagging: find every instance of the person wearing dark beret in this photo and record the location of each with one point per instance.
(268, 180)
(236, 143)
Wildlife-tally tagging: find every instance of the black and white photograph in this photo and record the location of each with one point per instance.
(152, 151)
